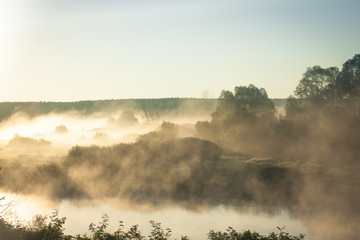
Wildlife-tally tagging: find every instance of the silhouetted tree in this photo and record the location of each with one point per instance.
(324, 84)
(293, 106)
(226, 100)
(240, 116)
(349, 78)
(318, 83)
(246, 99)
(252, 98)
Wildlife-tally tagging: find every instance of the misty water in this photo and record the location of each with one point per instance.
(174, 167)
(21, 142)
(194, 224)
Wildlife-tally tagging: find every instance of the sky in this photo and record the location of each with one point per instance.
(70, 50)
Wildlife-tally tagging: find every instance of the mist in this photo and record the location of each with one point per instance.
(162, 170)
(244, 152)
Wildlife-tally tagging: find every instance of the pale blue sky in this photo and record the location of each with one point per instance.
(65, 50)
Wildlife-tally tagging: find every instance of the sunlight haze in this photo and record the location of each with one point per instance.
(81, 50)
(220, 119)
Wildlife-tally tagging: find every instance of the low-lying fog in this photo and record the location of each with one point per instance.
(180, 171)
(60, 132)
(34, 148)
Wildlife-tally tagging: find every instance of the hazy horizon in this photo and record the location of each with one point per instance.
(70, 51)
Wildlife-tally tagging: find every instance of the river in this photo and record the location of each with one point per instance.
(194, 224)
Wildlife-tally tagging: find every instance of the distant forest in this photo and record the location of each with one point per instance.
(150, 108)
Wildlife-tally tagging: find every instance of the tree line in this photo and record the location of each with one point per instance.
(149, 108)
(321, 121)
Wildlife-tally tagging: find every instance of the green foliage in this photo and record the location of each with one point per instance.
(98, 232)
(241, 117)
(54, 230)
(231, 234)
(226, 100)
(321, 124)
(318, 83)
(326, 114)
(328, 84)
(42, 229)
(132, 234)
(246, 99)
(252, 98)
(157, 233)
(348, 80)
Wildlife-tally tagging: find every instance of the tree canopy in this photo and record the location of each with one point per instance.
(329, 83)
(349, 78)
(247, 99)
(318, 83)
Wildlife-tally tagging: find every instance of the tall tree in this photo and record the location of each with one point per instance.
(252, 98)
(318, 83)
(226, 100)
(349, 78)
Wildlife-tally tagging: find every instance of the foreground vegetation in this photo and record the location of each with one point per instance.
(42, 228)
